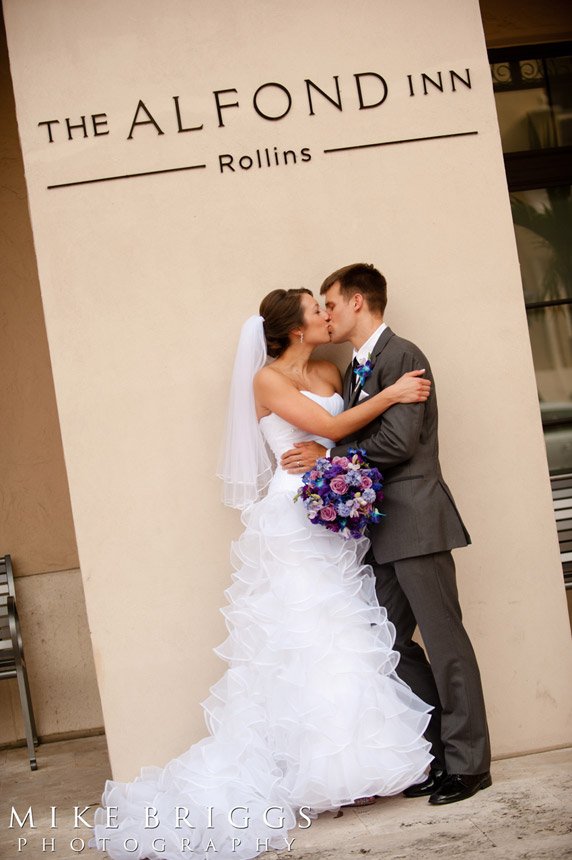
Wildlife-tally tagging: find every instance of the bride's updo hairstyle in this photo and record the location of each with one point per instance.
(282, 312)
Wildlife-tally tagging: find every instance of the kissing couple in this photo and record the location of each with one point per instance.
(327, 701)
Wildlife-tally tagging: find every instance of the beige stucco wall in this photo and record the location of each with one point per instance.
(35, 513)
(36, 521)
(145, 283)
(36, 525)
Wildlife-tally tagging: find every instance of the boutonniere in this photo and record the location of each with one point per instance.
(362, 371)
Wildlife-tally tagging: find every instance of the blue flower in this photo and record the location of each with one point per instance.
(353, 479)
(362, 371)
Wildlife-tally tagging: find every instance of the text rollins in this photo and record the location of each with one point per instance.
(263, 158)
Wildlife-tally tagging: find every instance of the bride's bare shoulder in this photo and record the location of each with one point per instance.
(267, 377)
(329, 372)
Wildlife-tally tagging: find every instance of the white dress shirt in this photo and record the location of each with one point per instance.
(365, 349)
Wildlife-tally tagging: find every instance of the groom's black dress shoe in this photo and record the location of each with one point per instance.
(428, 786)
(459, 786)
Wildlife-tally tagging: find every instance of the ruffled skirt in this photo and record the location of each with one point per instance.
(309, 715)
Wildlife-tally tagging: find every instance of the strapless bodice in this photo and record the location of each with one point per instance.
(280, 435)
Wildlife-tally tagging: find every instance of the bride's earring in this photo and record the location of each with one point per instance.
(301, 337)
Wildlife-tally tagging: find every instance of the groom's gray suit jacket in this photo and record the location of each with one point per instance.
(420, 514)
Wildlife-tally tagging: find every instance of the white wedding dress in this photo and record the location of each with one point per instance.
(310, 712)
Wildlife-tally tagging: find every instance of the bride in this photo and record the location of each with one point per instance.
(310, 714)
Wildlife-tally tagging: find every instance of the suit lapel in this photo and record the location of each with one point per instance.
(382, 342)
(384, 339)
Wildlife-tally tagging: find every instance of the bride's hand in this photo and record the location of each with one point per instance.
(410, 388)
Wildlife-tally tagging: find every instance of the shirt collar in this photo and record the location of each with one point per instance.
(365, 349)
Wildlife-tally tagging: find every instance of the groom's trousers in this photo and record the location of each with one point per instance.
(423, 591)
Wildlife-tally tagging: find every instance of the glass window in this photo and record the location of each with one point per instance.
(534, 101)
(543, 228)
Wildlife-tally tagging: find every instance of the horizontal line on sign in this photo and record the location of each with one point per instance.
(393, 142)
(126, 176)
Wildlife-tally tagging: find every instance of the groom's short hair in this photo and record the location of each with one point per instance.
(361, 278)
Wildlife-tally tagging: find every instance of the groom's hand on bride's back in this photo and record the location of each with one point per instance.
(302, 457)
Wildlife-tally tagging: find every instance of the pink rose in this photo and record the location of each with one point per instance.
(366, 482)
(339, 485)
(328, 514)
(341, 461)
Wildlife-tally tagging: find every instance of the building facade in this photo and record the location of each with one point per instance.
(161, 174)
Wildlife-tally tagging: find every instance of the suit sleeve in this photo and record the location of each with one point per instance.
(397, 437)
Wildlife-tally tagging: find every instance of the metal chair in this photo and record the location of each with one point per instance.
(12, 663)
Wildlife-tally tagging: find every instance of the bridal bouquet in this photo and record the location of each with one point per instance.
(341, 493)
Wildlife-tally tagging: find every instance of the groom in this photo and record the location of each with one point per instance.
(411, 546)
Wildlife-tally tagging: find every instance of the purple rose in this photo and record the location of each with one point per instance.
(328, 514)
(339, 485)
(366, 482)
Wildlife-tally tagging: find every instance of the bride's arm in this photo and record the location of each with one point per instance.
(275, 392)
